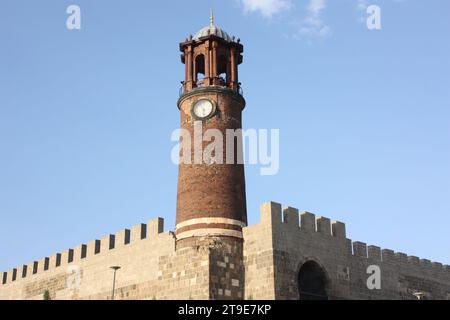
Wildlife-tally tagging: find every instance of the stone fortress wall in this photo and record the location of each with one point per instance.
(266, 267)
(277, 247)
(149, 269)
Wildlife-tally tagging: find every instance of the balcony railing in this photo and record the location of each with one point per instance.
(201, 83)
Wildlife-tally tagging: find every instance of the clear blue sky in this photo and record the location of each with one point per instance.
(86, 117)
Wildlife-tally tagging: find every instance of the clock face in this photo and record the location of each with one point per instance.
(203, 109)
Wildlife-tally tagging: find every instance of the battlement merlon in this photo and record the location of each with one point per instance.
(272, 215)
(84, 251)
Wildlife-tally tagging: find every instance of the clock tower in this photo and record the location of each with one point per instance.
(211, 203)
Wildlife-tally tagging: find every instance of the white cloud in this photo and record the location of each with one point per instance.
(267, 8)
(316, 6)
(313, 24)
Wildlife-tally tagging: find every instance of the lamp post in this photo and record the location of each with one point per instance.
(115, 268)
(419, 295)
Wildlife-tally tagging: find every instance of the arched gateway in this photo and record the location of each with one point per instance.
(312, 282)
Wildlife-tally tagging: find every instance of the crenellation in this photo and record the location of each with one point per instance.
(271, 213)
(413, 260)
(349, 247)
(272, 216)
(79, 252)
(43, 264)
(93, 248)
(437, 266)
(55, 261)
(387, 255)
(83, 251)
(35, 265)
(8, 277)
(357, 249)
(107, 243)
(155, 227)
(401, 257)
(291, 217)
(308, 221)
(425, 263)
(323, 225)
(29, 269)
(374, 252)
(14, 274)
(24, 271)
(66, 257)
(338, 229)
(138, 232)
(360, 249)
(122, 238)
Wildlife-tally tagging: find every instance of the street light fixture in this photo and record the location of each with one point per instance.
(115, 268)
(419, 295)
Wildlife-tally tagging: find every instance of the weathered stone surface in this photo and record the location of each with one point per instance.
(264, 266)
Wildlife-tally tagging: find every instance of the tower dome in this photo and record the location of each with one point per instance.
(212, 29)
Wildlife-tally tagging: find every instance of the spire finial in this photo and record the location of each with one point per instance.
(211, 17)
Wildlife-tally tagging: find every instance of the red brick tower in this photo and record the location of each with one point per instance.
(211, 199)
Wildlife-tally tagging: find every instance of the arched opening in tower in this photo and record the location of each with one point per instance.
(222, 69)
(312, 282)
(200, 70)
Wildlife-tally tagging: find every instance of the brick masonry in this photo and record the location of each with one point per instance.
(264, 262)
(211, 192)
(216, 190)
